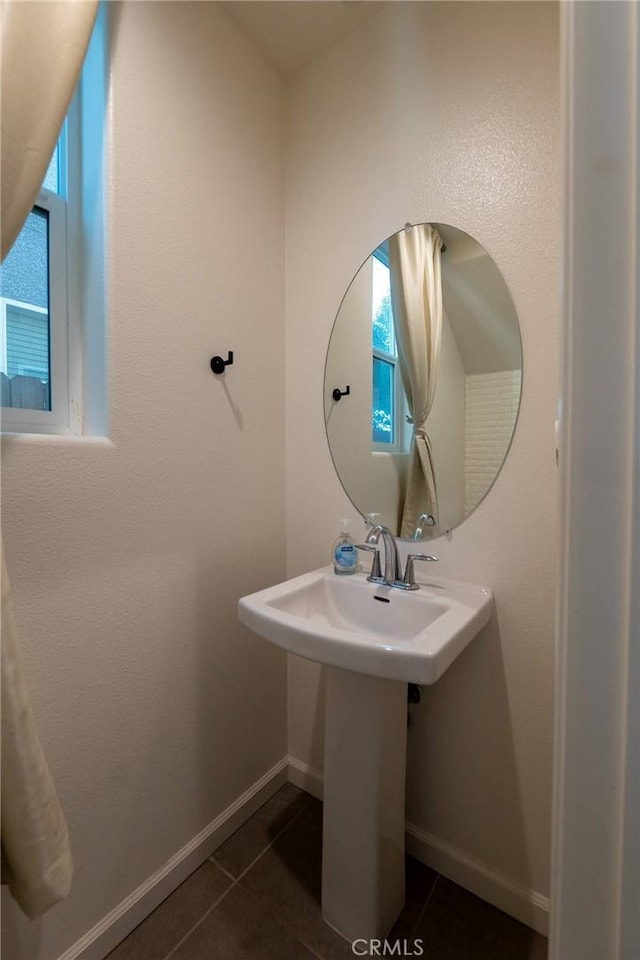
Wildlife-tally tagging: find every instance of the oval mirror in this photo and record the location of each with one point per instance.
(422, 380)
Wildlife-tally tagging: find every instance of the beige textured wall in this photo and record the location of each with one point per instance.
(442, 112)
(155, 707)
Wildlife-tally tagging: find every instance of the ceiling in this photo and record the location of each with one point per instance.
(478, 305)
(292, 33)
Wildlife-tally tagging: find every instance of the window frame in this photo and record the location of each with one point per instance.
(64, 266)
(399, 402)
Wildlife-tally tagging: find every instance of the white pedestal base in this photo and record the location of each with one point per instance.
(364, 792)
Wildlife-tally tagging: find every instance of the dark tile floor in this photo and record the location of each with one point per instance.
(258, 898)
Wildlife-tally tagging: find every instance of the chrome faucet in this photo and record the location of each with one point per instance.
(392, 574)
(391, 560)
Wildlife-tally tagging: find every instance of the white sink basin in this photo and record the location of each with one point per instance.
(371, 629)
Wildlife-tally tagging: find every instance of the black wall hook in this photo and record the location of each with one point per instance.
(337, 393)
(218, 364)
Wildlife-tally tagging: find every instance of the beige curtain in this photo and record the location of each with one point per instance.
(416, 298)
(42, 45)
(36, 857)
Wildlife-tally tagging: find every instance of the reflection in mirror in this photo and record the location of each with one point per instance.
(427, 339)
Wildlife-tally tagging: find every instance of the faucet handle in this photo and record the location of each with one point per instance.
(408, 582)
(375, 575)
(424, 520)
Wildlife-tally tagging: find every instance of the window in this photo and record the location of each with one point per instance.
(387, 395)
(35, 286)
(52, 315)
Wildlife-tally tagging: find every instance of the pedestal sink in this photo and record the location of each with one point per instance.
(373, 640)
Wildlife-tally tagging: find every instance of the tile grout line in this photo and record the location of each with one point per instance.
(202, 918)
(221, 868)
(302, 942)
(234, 882)
(285, 926)
(268, 847)
(308, 945)
(424, 909)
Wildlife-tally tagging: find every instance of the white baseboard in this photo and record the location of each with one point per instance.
(306, 777)
(105, 935)
(526, 905)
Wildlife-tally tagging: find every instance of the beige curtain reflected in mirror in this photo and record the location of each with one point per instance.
(416, 298)
(43, 47)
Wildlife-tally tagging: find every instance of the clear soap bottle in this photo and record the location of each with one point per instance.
(345, 552)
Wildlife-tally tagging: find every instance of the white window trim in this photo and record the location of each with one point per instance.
(65, 345)
(399, 403)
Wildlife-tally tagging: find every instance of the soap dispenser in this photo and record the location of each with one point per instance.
(345, 553)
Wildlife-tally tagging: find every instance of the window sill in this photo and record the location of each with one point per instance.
(9, 438)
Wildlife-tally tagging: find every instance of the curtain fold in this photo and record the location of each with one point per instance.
(416, 298)
(36, 855)
(43, 45)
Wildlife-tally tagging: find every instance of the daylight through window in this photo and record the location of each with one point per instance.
(33, 300)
